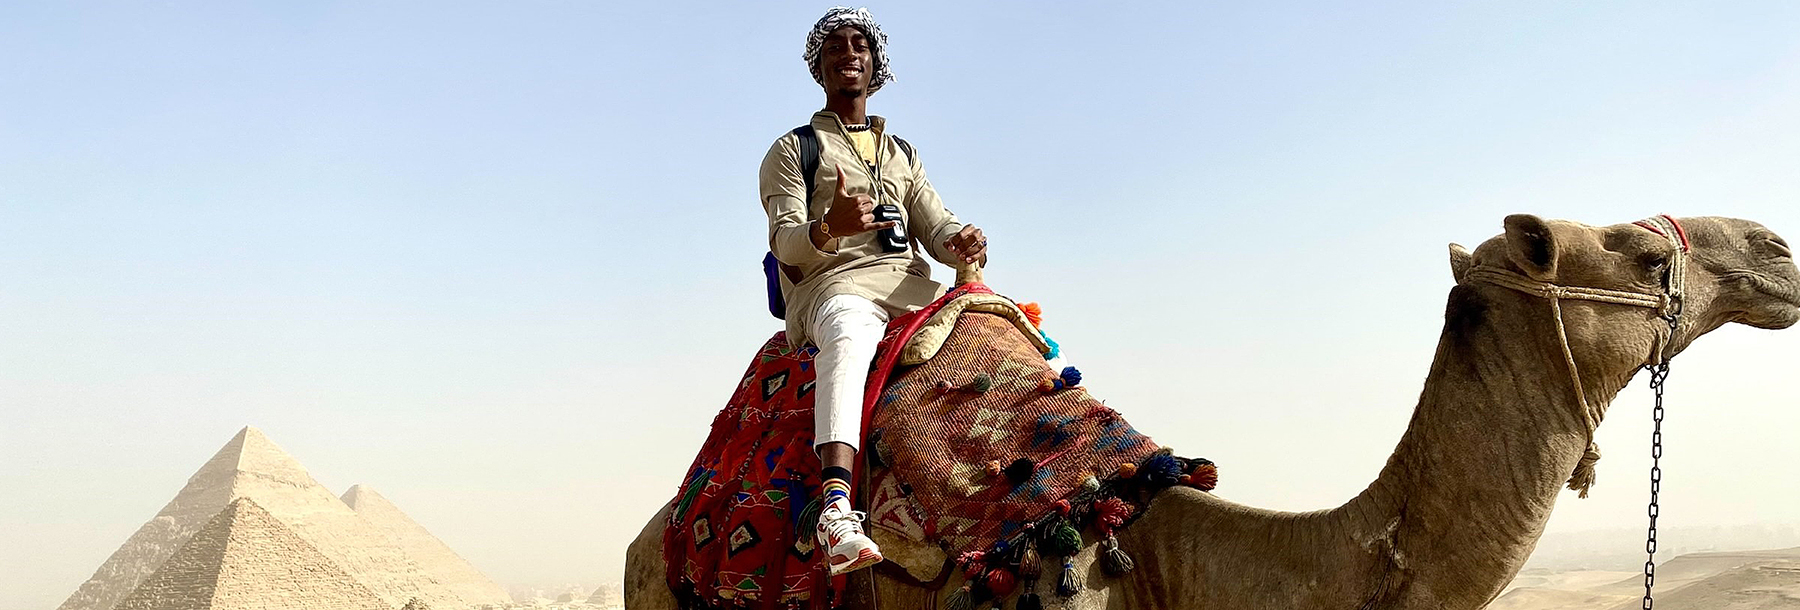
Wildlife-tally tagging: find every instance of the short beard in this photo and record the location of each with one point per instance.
(851, 92)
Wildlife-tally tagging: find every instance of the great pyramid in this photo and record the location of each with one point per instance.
(252, 467)
(246, 559)
(436, 558)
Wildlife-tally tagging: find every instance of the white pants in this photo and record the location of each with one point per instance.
(847, 329)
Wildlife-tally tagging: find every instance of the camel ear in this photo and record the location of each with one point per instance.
(1531, 246)
(1460, 261)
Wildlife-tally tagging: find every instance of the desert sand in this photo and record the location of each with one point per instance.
(1736, 580)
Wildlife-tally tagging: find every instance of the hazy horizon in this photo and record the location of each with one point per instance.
(501, 262)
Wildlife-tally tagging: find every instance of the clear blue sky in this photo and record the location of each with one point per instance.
(500, 261)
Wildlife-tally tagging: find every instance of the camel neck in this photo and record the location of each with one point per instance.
(1464, 498)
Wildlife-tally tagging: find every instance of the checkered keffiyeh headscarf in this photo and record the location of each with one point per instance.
(840, 16)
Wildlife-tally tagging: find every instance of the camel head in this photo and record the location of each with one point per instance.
(1735, 271)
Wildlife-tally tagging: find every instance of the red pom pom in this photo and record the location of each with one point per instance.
(972, 563)
(1111, 513)
(1001, 582)
(1033, 313)
(1062, 506)
(1205, 477)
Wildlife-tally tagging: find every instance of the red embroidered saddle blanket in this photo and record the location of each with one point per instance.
(736, 538)
(983, 448)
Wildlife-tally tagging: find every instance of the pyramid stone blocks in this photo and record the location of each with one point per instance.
(245, 559)
(451, 570)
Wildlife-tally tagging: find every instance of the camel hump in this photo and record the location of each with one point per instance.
(991, 451)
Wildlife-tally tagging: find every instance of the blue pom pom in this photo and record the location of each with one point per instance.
(1161, 470)
(1071, 376)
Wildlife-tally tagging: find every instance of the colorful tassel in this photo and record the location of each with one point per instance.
(1113, 559)
(1064, 540)
(972, 563)
(962, 599)
(1161, 470)
(1205, 476)
(1069, 584)
(1110, 514)
(1020, 470)
(1001, 582)
(1033, 313)
(1031, 566)
(1071, 376)
(1055, 348)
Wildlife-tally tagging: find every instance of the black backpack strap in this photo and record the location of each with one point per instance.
(809, 158)
(774, 270)
(905, 146)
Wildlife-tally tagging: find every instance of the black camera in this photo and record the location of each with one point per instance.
(892, 239)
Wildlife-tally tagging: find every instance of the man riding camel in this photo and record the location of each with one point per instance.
(850, 249)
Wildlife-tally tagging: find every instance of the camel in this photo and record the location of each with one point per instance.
(1497, 430)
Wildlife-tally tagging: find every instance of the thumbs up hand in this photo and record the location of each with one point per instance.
(851, 214)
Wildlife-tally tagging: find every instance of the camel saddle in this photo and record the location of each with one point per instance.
(976, 446)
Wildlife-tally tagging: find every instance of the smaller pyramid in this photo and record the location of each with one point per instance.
(432, 555)
(242, 559)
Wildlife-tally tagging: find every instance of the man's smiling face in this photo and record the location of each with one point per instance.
(845, 62)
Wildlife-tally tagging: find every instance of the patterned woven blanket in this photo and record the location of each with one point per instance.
(1003, 460)
(740, 535)
(984, 449)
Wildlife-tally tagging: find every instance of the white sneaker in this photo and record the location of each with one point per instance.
(840, 532)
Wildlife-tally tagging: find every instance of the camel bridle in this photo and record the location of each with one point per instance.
(1668, 305)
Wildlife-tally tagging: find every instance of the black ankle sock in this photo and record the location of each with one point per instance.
(837, 472)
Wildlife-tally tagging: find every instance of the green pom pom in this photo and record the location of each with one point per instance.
(1064, 540)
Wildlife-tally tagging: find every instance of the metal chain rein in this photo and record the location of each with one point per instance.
(1659, 377)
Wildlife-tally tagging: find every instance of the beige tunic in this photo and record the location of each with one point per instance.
(899, 282)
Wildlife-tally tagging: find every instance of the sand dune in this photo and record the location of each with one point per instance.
(1748, 580)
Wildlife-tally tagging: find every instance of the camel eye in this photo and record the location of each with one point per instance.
(1655, 263)
(1778, 247)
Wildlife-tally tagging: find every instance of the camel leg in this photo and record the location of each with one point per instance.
(646, 583)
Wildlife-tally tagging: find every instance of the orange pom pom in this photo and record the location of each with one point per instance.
(1205, 477)
(1127, 470)
(994, 468)
(1033, 313)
